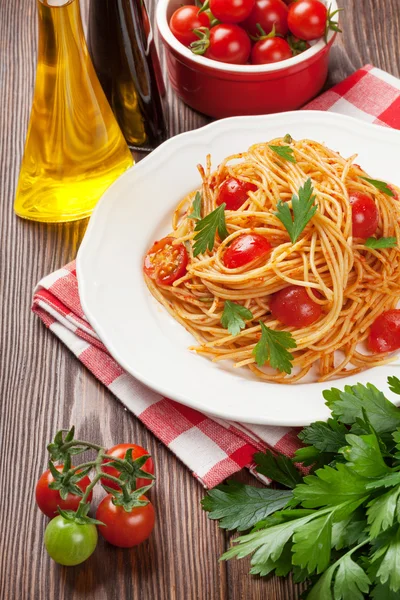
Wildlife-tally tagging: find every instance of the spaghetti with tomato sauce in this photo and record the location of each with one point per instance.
(286, 261)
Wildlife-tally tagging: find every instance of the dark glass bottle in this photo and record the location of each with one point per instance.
(125, 58)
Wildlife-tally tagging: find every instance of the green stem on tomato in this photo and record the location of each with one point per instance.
(72, 443)
(96, 478)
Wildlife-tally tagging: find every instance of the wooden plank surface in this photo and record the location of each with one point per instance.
(43, 387)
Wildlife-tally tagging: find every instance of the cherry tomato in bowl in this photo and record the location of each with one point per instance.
(234, 192)
(125, 529)
(49, 500)
(245, 249)
(231, 11)
(184, 20)
(224, 43)
(68, 542)
(293, 307)
(365, 215)
(267, 14)
(166, 262)
(307, 19)
(384, 335)
(270, 50)
(119, 451)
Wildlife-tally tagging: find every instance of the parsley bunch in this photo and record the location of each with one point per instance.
(338, 528)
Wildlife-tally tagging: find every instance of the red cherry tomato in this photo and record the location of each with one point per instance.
(244, 249)
(231, 11)
(228, 44)
(165, 262)
(385, 332)
(184, 20)
(119, 451)
(270, 50)
(293, 307)
(365, 215)
(234, 192)
(49, 500)
(125, 529)
(307, 19)
(268, 13)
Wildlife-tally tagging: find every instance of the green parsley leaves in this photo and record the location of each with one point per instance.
(272, 349)
(383, 242)
(284, 152)
(196, 208)
(303, 208)
(234, 316)
(207, 228)
(380, 185)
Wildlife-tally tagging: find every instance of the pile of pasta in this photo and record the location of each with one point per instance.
(352, 283)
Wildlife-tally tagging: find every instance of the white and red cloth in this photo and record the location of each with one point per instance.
(211, 448)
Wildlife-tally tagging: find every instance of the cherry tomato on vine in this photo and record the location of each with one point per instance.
(119, 451)
(270, 50)
(385, 332)
(231, 11)
(268, 14)
(165, 262)
(228, 44)
(234, 192)
(307, 19)
(365, 215)
(49, 500)
(244, 249)
(68, 542)
(293, 307)
(184, 20)
(125, 529)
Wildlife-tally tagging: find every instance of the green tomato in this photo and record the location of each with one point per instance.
(69, 543)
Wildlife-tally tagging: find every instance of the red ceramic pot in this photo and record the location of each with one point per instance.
(221, 90)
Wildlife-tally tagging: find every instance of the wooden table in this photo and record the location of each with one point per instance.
(44, 388)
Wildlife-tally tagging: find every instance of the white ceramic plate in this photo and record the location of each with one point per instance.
(136, 210)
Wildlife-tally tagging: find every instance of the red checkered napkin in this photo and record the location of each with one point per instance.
(211, 448)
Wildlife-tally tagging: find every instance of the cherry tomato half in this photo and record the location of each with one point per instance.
(231, 11)
(385, 332)
(68, 542)
(267, 13)
(307, 19)
(49, 500)
(119, 451)
(228, 44)
(365, 215)
(165, 262)
(270, 50)
(244, 249)
(293, 307)
(184, 20)
(125, 529)
(234, 192)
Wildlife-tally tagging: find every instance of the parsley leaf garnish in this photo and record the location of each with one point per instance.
(234, 316)
(303, 208)
(284, 152)
(380, 185)
(383, 242)
(196, 208)
(240, 506)
(272, 348)
(277, 467)
(394, 384)
(207, 228)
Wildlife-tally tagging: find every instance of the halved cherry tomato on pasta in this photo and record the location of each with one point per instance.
(293, 307)
(165, 262)
(234, 193)
(184, 20)
(385, 332)
(231, 11)
(119, 451)
(268, 14)
(244, 249)
(365, 215)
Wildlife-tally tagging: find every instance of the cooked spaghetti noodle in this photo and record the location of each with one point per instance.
(353, 284)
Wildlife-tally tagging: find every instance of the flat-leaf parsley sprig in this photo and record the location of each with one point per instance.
(303, 208)
(272, 348)
(338, 528)
(207, 228)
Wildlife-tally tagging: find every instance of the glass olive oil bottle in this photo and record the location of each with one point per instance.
(74, 148)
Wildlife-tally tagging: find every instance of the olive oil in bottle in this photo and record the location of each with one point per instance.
(74, 148)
